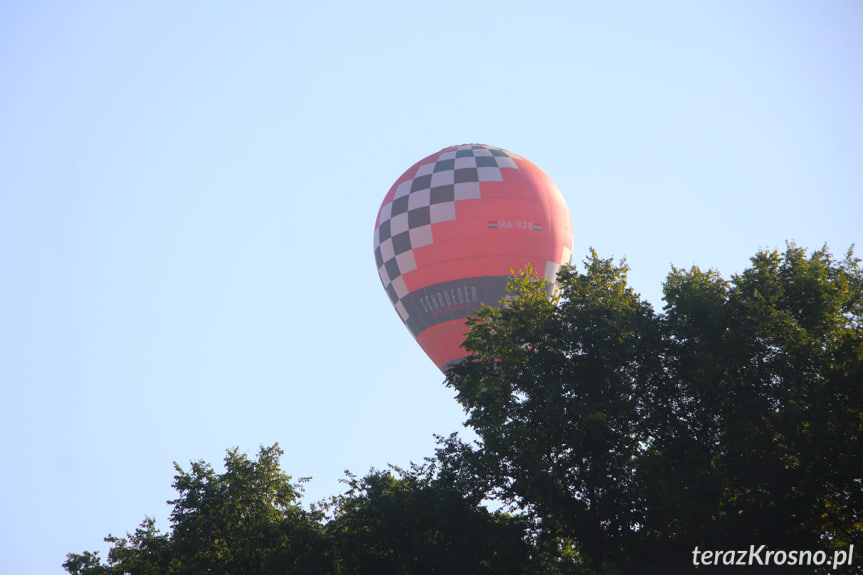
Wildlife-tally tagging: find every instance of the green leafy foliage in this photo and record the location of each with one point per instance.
(550, 392)
(245, 520)
(611, 439)
(248, 520)
(767, 372)
(734, 417)
(410, 524)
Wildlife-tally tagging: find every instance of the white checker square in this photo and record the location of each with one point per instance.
(386, 210)
(425, 169)
(504, 162)
(419, 199)
(421, 236)
(443, 178)
(465, 162)
(385, 278)
(551, 269)
(403, 189)
(467, 191)
(377, 235)
(403, 313)
(399, 224)
(489, 174)
(400, 287)
(387, 251)
(447, 155)
(442, 212)
(406, 262)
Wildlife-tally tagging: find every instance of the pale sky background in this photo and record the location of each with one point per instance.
(188, 192)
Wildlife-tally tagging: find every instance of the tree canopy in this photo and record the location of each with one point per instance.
(245, 520)
(611, 439)
(733, 417)
(248, 520)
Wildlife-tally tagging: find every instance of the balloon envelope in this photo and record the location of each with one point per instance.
(451, 229)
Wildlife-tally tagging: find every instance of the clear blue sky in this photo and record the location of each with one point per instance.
(188, 192)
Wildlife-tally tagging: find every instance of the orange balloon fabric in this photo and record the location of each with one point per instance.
(451, 229)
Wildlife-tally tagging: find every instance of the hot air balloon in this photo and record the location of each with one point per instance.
(451, 229)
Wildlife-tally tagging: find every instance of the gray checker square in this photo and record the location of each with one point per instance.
(428, 198)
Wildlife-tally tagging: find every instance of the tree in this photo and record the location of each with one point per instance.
(86, 562)
(407, 523)
(550, 391)
(732, 418)
(245, 520)
(767, 373)
(614, 440)
(248, 521)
